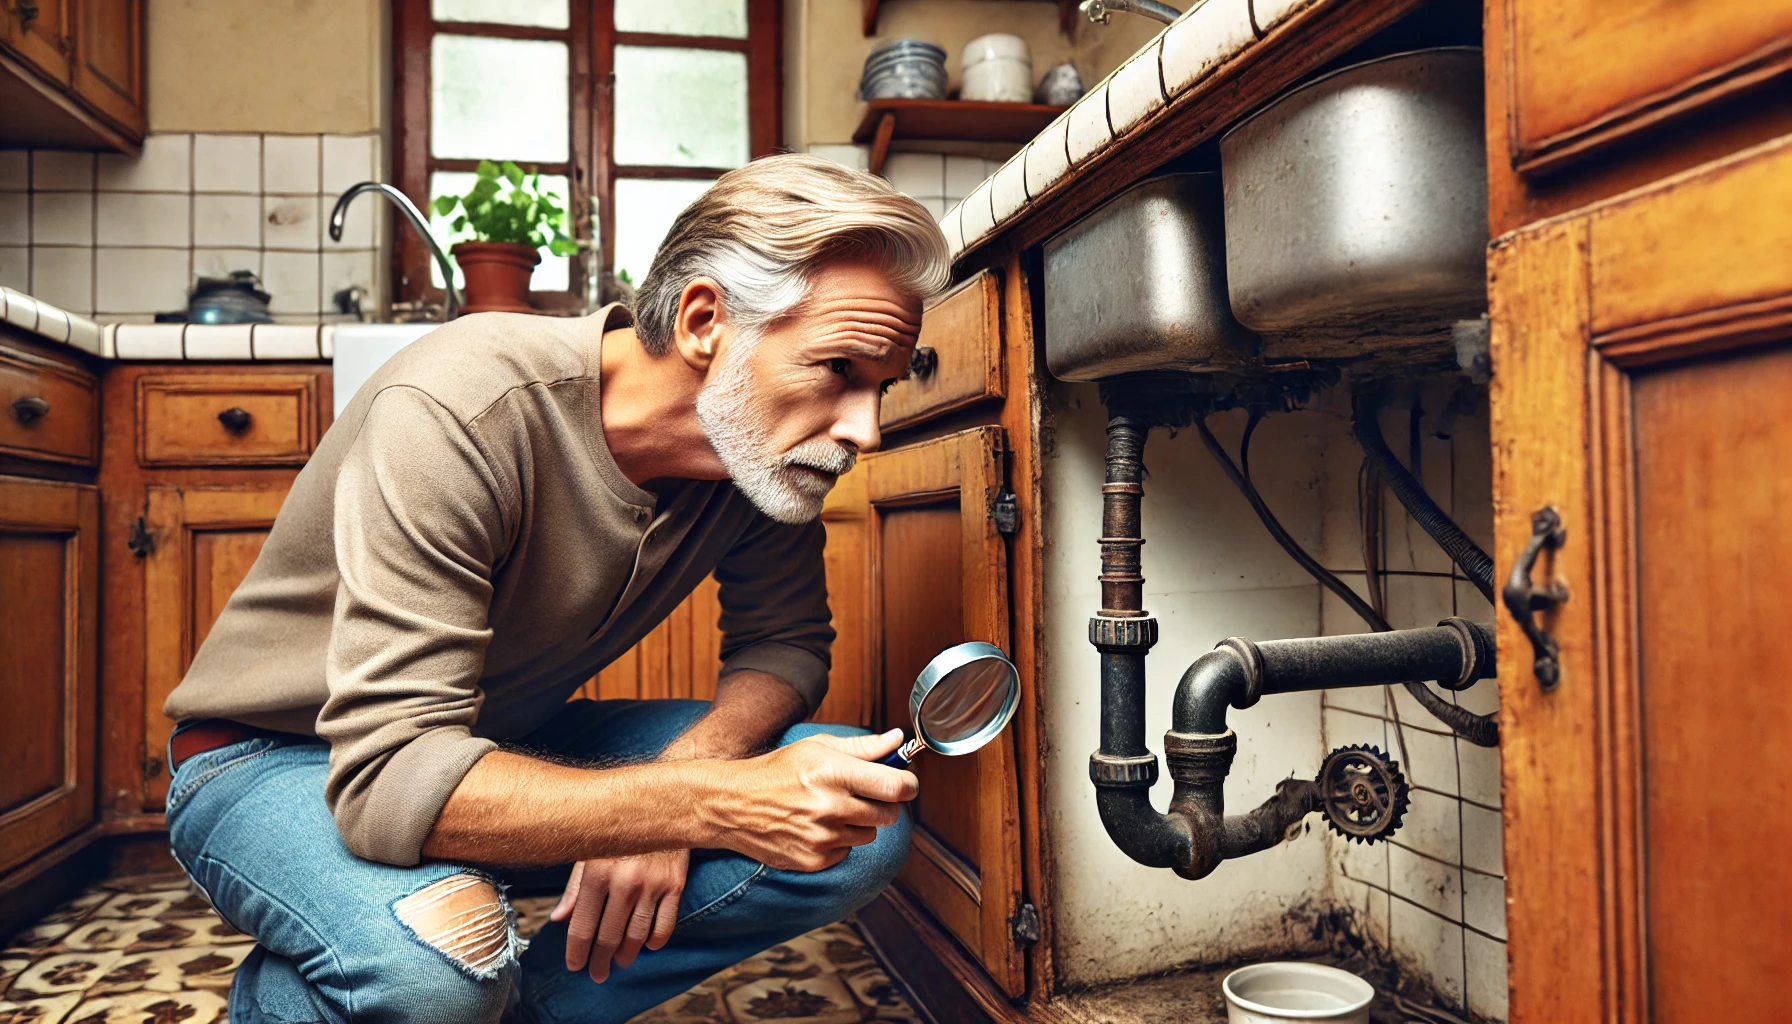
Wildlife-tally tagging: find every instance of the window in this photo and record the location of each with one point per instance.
(628, 108)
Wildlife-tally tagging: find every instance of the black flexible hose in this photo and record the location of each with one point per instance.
(1462, 550)
(1481, 730)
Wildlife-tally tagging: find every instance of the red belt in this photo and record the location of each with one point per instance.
(196, 738)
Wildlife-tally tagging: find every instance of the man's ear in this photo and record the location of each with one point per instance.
(699, 329)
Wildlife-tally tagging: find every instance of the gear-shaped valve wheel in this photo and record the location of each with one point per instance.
(1362, 793)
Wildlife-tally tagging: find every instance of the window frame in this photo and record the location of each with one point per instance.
(591, 37)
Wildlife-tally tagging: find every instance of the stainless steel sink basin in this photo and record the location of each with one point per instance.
(1356, 206)
(1139, 285)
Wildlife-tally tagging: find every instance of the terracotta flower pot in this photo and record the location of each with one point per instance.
(497, 275)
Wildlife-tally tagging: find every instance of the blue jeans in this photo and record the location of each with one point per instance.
(248, 822)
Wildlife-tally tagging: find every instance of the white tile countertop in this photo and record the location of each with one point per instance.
(1184, 54)
(168, 342)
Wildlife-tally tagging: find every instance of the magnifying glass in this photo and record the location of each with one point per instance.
(963, 698)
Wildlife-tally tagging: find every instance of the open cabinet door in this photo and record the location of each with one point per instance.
(1642, 363)
(940, 577)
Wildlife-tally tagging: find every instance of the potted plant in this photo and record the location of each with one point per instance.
(511, 220)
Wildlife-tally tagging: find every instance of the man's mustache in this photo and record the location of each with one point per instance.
(831, 459)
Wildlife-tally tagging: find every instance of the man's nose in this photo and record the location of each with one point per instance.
(856, 426)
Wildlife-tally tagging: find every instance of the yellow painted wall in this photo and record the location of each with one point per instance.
(825, 48)
(298, 66)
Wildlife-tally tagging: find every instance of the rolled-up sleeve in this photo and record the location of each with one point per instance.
(774, 596)
(419, 525)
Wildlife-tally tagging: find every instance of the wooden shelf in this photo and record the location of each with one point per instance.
(948, 121)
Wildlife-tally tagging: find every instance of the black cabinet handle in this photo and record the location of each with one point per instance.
(235, 419)
(1524, 600)
(29, 410)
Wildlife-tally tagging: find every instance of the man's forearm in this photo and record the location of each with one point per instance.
(515, 809)
(751, 710)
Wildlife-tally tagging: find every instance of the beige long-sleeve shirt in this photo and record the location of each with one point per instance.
(461, 553)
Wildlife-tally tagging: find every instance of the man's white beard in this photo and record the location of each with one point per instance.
(740, 430)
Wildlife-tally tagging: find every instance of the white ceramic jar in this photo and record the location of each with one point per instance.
(997, 68)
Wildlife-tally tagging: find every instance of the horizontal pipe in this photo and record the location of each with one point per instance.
(1360, 659)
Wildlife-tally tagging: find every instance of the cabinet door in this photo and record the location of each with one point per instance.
(206, 540)
(108, 66)
(1584, 74)
(1642, 358)
(49, 597)
(940, 577)
(40, 32)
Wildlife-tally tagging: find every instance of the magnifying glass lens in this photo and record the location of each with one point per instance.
(966, 700)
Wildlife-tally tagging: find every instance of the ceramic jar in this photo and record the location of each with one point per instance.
(997, 68)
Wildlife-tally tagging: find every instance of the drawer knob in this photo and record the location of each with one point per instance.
(235, 419)
(29, 410)
(923, 361)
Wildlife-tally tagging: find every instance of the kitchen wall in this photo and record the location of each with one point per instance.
(1433, 898)
(259, 115)
(825, 49)
(1435, 894)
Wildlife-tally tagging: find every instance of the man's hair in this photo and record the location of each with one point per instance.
(761, 231)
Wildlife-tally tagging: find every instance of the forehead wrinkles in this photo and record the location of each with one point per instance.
(879, 316)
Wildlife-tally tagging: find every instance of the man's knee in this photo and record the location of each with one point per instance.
(464, 918)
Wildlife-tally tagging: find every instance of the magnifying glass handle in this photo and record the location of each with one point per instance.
(904, 754)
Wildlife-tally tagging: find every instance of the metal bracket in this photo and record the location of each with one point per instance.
(1025, 925)
(923, 361)
(1005, 510)
(141, 542)
(1524, 600)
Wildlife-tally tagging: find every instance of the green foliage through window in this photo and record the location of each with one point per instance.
(506, 204)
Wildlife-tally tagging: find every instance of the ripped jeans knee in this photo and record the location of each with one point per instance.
(465, 918)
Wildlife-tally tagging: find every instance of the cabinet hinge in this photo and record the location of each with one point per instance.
(141, 542)
(1025, 925)
(1005, 510)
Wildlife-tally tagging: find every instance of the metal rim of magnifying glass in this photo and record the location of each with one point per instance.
(942, 665)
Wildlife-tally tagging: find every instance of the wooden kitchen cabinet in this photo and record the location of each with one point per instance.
(939, 578)
(1642, 355)
(206, 538)
(41, 32)
(49, 586)
(71, 74)
(188, 504)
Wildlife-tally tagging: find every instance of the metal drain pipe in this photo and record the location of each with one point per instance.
(1196, 835)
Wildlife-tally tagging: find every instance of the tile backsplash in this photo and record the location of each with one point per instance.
(1434, 896)
(123, 238)
(938, 180)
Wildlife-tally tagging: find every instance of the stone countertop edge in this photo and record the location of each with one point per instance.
(288, 343)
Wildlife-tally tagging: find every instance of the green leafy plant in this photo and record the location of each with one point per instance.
(521, 213)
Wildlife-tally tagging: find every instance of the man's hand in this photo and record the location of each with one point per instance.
(617, 905)
(803, 807)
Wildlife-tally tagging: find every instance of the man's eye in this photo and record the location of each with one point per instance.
(840, 366)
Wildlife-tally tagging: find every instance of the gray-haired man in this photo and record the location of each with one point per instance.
(379, 715)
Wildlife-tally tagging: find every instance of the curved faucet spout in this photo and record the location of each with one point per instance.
(412, 214)
(1098, 10)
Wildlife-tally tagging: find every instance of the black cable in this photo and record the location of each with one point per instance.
(1462, 550)
(1481, 730)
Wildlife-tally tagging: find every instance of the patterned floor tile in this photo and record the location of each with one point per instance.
(152, 951)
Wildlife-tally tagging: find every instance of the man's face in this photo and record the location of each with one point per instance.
(790, 410)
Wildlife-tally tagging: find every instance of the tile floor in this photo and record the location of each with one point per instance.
(149, 950)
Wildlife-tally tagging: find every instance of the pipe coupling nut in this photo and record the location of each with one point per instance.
(1477, 653)
(1200, 760)
(1122, 636)
(1111, 771)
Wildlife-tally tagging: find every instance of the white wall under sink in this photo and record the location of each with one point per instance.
(1433, 898)
(363, 348)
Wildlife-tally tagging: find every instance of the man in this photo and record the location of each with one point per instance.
(377, 726)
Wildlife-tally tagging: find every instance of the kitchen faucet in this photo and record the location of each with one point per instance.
(411, 214)
(1098, 10)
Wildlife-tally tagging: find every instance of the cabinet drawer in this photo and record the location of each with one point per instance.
(47, 411)
(261, 419)
(958, 360)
